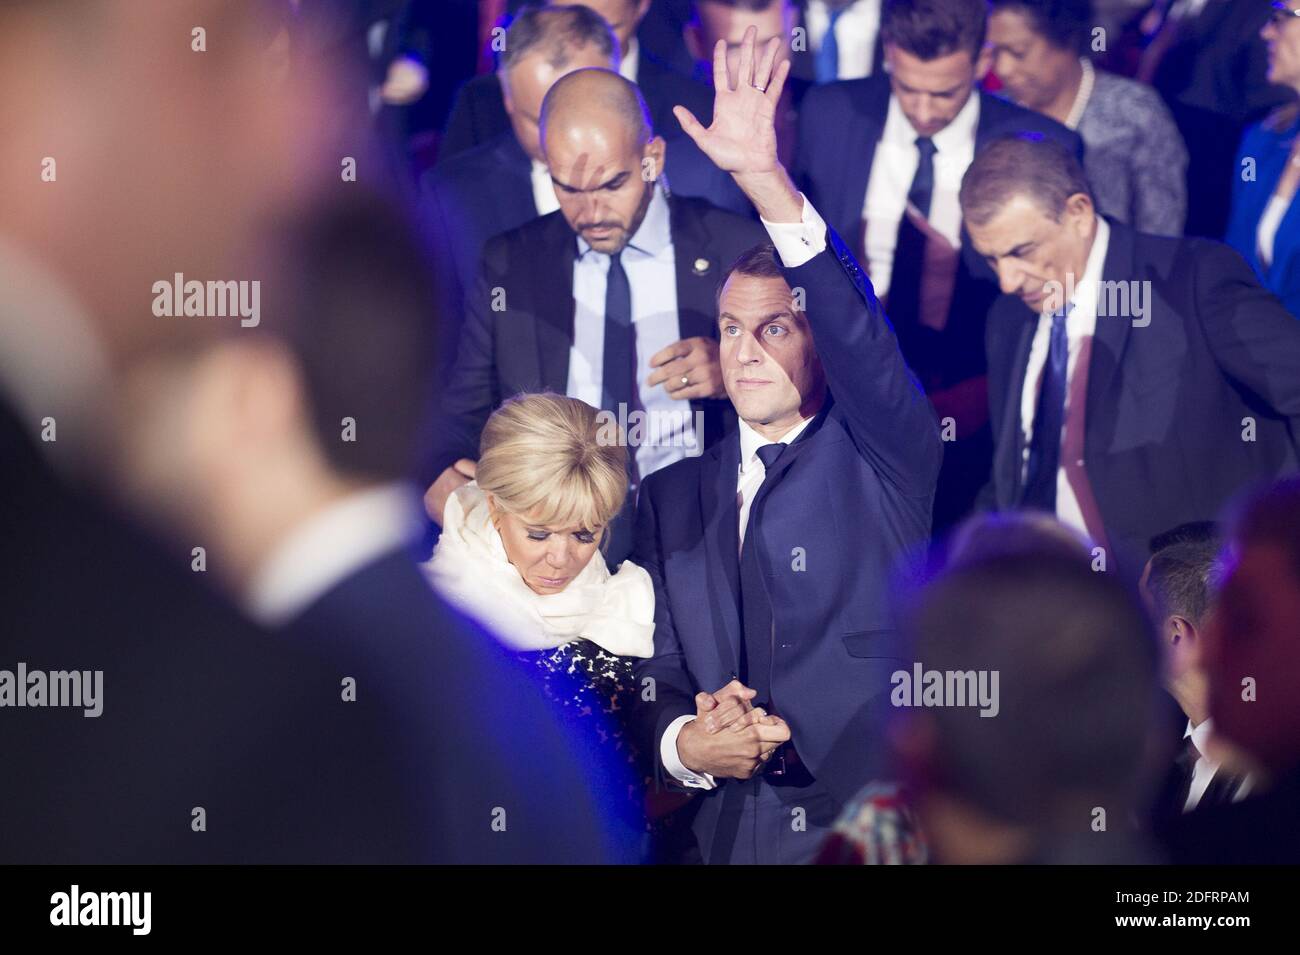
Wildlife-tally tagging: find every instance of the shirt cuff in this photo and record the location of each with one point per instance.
(673, 763)
(798, 242)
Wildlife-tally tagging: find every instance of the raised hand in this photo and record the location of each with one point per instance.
(742, 137)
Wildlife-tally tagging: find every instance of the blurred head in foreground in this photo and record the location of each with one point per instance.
(146, 138)
(237, 435)
(1051, 764)
(1252, 643)
(553, 484)
(1012, 533)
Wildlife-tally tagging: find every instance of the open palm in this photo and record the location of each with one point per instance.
(742, 137)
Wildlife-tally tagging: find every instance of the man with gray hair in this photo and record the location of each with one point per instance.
(1135, 382)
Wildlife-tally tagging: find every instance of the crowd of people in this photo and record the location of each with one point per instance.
(675, 431)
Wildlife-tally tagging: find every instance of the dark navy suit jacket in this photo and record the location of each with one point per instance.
(1167, 401)
(840, 125)
(842, 511)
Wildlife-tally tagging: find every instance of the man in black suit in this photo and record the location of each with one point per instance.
(772, 553)
(207, 738)
(1252, 659)
(480, 110)
(883, 158)
(1135, 382)
(309, 518)
(1178, 586)
(503, 183)
(545, 313)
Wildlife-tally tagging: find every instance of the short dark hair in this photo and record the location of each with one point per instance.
(1064, 640)
(1190, 532)
(760, 260)
(930, 29)
(356, 307)
(1183, 579)
(556, 32)
(1062, 23)
(1025, 164)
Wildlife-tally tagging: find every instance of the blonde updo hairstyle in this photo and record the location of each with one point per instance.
(546, 457)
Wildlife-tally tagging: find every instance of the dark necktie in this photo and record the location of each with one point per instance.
(1185, 762)
(618, 369)
(909, 263)
(1049, 420)
(827, 64)
(756, 609)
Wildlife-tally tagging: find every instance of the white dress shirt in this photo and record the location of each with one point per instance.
(855, 35)
(631, 61)
(650, 263)
(1205, 768)
(329, 547)
(543, 189)
(796, 243)
(1080, 325)
(892, 170)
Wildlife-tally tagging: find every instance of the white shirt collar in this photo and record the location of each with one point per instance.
(1200, 734)
(751, 441)
(652, 236)
(956, 136)
(631, 61)
(329, 547)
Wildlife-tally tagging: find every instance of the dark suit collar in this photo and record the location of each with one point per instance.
(696, 267)
(1111, 335)
(552, 270)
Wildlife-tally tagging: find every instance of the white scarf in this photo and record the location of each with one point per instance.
(470, 568)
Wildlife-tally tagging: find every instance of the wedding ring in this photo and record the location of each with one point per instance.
(685, 381)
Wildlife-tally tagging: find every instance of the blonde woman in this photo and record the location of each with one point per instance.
(519, 551)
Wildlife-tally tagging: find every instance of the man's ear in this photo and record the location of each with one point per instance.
(652, 159)
(1180, 631)
(1081, 213)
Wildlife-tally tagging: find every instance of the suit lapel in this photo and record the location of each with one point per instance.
(857, 158)
(552, 282)
(512, 184)
(697, 270)
(1013, 444)
(1112, 331)
(722, 546)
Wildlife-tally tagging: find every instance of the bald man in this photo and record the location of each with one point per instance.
(610, 299)
(503, 183)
